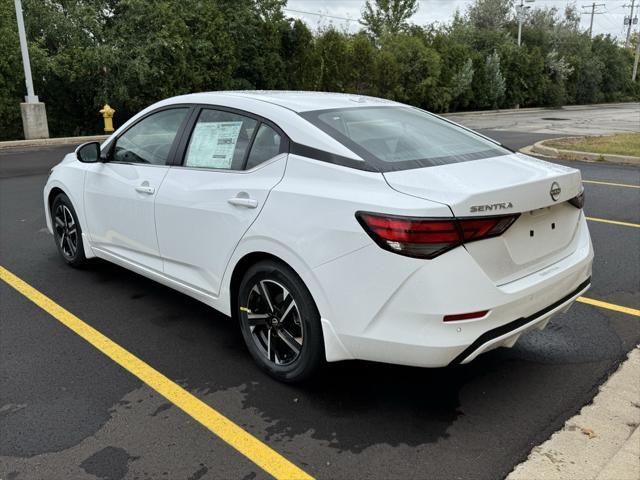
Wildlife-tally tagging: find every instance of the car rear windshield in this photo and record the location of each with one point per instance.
(402, 138)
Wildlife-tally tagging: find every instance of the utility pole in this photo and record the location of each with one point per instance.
(34, 115)
(635, 62)
(626, 43)
(593, 7)
(521, 10)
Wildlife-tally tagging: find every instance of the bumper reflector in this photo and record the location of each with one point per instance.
(465, 316)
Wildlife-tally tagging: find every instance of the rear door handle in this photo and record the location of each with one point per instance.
(243, 202)
(145, 189)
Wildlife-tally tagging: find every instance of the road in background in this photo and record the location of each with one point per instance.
(565, 121)
(66, 411)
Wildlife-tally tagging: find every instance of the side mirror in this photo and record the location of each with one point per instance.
(88, 152)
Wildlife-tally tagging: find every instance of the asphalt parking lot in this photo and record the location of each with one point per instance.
(69, 411)
(568, 120)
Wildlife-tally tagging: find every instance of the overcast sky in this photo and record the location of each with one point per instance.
(610, 21)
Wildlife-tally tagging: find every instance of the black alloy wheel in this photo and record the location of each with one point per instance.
(67, 232)
(280, 322)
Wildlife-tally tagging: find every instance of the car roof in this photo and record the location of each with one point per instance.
(280, 107)
(297, 101)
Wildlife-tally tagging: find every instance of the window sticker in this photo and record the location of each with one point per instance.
(213, 144)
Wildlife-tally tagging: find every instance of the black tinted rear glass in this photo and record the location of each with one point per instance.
(401, 138)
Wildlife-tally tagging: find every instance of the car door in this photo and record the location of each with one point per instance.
(119, 193)
(205, 205)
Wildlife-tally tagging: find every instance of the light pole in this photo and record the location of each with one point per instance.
(34, 114)
(521, 10)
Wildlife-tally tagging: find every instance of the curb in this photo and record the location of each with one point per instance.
(539, 148)
(602, 442)
(46, 142)
(621, 465)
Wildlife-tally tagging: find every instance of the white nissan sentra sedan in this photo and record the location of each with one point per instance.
(330, 226)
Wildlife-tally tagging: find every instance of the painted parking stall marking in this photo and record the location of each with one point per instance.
(610, 306)
(613, 222)
(245, 443)
(611, 184)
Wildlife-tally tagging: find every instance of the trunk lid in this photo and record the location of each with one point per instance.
(543, 234)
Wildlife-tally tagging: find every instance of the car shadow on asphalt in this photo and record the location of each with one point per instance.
(355, 404)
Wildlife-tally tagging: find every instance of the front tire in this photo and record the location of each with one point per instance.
(280, 322)
(67, 232)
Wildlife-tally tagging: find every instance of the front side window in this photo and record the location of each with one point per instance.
(149, 141)
(220, 140)
(401, 138)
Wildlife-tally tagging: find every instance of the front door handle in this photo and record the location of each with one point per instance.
(243, 202)
(145, 188)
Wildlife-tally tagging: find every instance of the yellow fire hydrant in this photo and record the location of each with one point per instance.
(107, 114)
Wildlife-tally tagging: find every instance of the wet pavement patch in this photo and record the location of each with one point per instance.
(110, 463)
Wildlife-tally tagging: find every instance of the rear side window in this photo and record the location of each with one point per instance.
(266, 145)
(401, 138)
(220, 140)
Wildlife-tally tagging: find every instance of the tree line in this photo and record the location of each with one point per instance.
(131, 53)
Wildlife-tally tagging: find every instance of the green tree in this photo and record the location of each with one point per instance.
(494, 81)
(558, 70)
(132, 53)
(254, 29)
(408, 70)
(457, 73)
(12, 87)
(588, 80)
(490, 14)
(461, 81)
(167, 48)
(615, 67)
(361, 55)
(331, 48)
(387, 16)
(298, 50)
(68, 49)
(524, 74)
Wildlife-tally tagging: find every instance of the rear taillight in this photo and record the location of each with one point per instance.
(410, 236)
(578, 200)
(485, 227)
(430, 237)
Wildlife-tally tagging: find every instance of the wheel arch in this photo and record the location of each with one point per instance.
(53, 193)
(241, 268)
(254, 249)
(334, 348)
(50, 194)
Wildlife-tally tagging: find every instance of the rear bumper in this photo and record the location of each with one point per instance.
(389, 308)
(508, 334)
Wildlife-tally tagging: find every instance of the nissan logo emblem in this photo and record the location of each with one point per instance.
(555, 191)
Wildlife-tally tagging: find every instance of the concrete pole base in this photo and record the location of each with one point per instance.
(34, 120)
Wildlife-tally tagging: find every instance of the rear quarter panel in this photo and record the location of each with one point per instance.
(309, 219)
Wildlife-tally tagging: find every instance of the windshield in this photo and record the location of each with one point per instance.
(401, 138)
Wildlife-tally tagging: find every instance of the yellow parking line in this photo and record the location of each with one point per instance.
(610, 306)
(626, 185)
(245, 443)
(614, 222)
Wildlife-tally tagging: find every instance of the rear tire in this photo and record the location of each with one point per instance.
(280, 322)
(67, 232)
